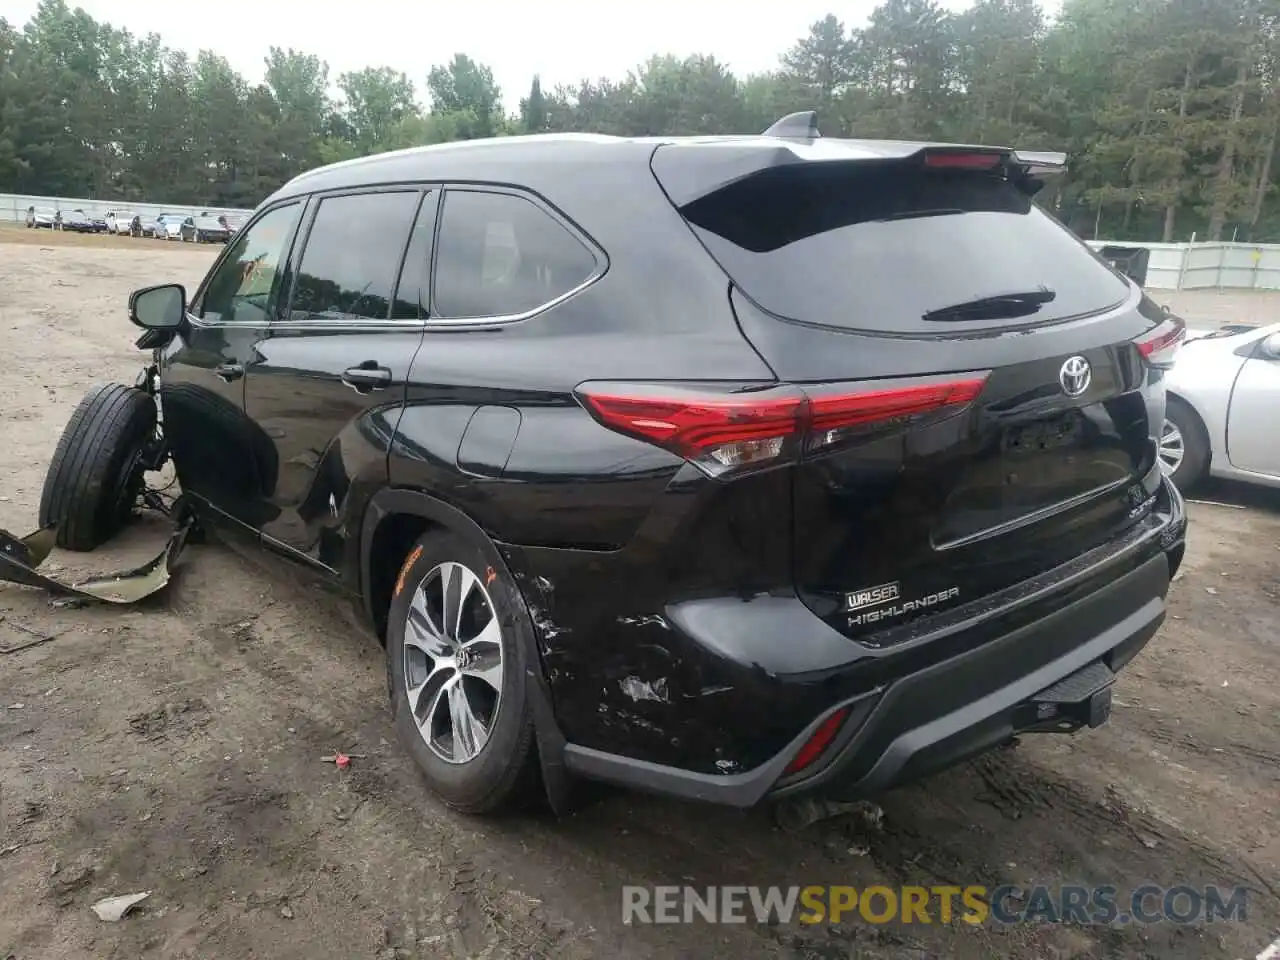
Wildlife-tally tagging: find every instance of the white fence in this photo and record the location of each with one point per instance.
(13, 207)
(1201, 266)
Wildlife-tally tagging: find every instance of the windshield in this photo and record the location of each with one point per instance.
(896, 247)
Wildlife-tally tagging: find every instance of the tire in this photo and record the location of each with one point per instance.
(94, 477)
(503, 774)
(1194, 464)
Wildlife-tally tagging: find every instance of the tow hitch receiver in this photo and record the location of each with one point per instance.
(20, 557)
(1080, 700)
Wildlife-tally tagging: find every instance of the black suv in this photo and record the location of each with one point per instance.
(730, 468)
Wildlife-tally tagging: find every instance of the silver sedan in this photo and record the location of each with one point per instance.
(1223, 405)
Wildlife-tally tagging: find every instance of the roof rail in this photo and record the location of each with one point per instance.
(802, 125)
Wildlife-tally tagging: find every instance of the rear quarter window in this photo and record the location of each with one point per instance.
(877, 246)
(501, 255)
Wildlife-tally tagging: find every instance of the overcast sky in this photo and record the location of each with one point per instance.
(563, 40)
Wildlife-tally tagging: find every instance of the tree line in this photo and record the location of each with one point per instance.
(1168, 109)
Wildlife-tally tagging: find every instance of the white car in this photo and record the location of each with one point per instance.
(174, 226)
(1223, 399)
(119, 223)
(41, 217)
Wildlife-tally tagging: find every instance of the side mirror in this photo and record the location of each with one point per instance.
(1270, 347)
(158, 308)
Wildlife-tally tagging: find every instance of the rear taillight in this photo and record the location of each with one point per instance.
(835, 413)
(725, 430)
(719, 431)
(1159, 346)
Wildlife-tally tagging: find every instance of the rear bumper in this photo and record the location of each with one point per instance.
(905, 737)
(1042, 660)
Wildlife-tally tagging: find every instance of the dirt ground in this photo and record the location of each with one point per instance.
(174, 748)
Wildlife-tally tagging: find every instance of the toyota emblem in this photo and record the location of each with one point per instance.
(1075, 376)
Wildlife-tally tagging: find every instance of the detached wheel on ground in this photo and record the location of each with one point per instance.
(1184, 445)
(457, 636)
(96, 474)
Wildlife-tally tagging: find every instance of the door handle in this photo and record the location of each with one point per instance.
(229, 371)
(367, 376)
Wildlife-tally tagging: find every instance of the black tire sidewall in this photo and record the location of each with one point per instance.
(467, 785)
(1195, 446)
(80, 493)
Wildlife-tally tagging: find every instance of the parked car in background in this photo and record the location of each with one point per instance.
(96, 223)
(174, 226)
(77, 222)
(122, 223)
(1223, 402)
(154, 226)
(41, 217)
(211, 230)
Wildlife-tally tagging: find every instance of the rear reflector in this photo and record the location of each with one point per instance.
(1159, 346)
(962, 160)
(723, 431)
(815, 746)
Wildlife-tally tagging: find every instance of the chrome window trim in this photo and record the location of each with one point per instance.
(438, 324)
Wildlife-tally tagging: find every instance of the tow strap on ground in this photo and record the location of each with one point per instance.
(19, 558)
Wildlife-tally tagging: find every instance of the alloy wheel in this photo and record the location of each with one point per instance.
(453, 662)
(1172, 448)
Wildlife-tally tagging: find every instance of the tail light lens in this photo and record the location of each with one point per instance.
(1159, 346)
(718, 431)
(724, 430)
(836, 414)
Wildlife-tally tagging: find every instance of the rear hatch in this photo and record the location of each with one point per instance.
(981, 387)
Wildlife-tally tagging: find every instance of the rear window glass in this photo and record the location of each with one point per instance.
(878, 246)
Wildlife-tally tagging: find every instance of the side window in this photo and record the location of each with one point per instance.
(501, 255)
(349, 266)
(241, 289)
(413, 292)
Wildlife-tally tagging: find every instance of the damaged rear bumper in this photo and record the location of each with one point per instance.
(1046, 662)
(20, 559)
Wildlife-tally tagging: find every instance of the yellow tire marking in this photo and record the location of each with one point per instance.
(404, 570)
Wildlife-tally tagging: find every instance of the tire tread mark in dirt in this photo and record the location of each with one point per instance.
(1184, 741)
(181, 718)
(1011, 792)
(466, 910)
(486, 920)
(1111, 811)
(1018, 789)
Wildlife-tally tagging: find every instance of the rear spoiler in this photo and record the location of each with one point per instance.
(1036, 167)
(691, 169)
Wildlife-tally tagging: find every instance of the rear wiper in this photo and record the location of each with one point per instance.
(1017, 304)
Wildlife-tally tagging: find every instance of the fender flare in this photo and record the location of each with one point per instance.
(550, 739)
